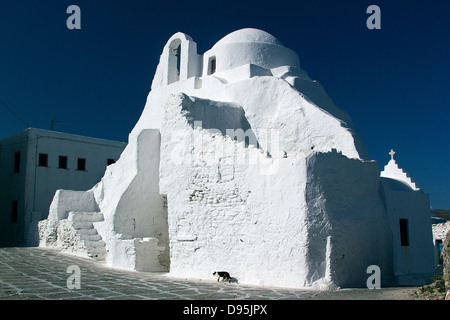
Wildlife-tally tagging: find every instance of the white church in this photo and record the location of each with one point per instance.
(240, 162)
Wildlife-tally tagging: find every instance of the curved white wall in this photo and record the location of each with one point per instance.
(232, 55)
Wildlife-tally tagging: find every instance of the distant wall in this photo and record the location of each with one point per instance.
(12, 188)
(34, 186)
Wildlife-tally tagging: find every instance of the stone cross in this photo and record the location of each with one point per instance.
(392, 154)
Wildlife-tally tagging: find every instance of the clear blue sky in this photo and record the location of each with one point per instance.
(393, 82)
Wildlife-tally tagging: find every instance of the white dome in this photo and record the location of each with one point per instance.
(252, 47)
(248, 35)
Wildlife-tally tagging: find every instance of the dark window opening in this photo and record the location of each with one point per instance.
(111, 161)
(212, 66)
(62, 162)
(174, 61)
(81, 164)
(404, 238)
(178, 55)
(43, 160)
(17, 162)
(247, 141)
(14, 210)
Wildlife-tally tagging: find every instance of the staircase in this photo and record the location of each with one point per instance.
(90, 241)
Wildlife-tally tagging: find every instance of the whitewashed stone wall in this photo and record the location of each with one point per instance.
(440, 230)
(251, 170)
(294, 221)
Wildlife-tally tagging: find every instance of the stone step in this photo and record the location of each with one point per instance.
(98, 250)
(82, 225)
(94, 244)
(85, 216)
(90, 237)
(87, 232)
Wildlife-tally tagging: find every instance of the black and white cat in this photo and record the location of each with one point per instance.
(222, 276)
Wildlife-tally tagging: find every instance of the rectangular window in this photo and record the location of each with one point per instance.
(43, 160)
(404, 238)
(110, 161)
(14, 210)
(212, 65)
(81, 164)
(17, 162)
(62, 162)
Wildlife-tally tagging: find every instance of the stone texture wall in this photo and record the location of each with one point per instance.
(287, 220)
(446, 259)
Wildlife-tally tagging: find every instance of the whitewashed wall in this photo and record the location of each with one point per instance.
(303, 210)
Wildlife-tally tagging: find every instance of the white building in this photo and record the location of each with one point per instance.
(409, 214)
(34, 164)
(240, 162)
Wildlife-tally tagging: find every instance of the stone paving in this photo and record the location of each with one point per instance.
(42, 274)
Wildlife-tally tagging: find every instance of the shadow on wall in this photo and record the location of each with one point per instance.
(219, 117)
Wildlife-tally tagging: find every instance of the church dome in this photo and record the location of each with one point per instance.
(248, 35)
(252, 47)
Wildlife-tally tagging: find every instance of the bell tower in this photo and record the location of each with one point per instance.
(182, 60)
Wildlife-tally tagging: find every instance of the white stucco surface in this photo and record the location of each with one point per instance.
(393, 170)
(250, 168)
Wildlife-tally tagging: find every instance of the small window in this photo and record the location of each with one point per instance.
(43, 160)
(404, 238)
(81, 164)
(17, 162)
(111, 161)
(212, 65)
(62, 162)
(14, 210)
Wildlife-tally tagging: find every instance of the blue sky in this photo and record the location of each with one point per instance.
(393, 82)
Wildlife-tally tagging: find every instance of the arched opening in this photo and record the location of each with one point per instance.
(178, 55)
(174, 65)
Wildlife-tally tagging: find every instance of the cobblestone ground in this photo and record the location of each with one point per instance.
(41, 274)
